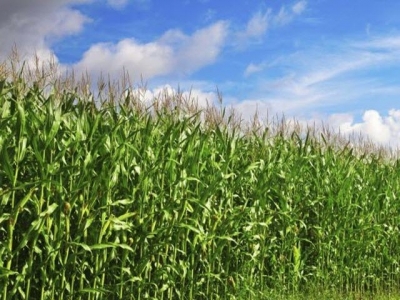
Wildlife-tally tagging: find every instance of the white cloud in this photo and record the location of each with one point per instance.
(253, 68)
(342, 122)
(173, 53)
(209, 15)
(260, 22)
(189, 100)
(117, 4)
(387, 44)
(299, 7)
(32, 25)
(202, 48)
(66, 22)
(248, 108)
(349, 73)
(257, 25)
(120, 4)
(283, 17)
(319, 79)
(382, 130)
(255, 29)
(323, 74)
(375, 127)
(147, 59)
(286, 16)
(200, 98)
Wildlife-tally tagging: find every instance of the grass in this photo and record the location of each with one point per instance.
(123, 199)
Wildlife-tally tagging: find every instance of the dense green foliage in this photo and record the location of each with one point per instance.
(106, 202)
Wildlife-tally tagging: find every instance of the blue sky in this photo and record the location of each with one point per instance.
(335, 61)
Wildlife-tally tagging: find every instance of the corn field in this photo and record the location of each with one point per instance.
(112, 201)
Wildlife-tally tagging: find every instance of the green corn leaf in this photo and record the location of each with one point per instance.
(110, 245)
(4, 272)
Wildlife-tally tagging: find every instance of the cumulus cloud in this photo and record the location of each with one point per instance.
(32, 25)
(200, 98)
(383, 130)
(192, 100)
(173, 53)
(247, 109)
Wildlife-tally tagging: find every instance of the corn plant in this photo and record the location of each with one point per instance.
(111, 200)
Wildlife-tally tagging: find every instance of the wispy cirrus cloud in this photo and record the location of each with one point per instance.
(253, 68)
(120, 4)
(257, 25)
(352, 76)
(321, 78)
(262, 21)
(286, 15)
(299, 7)
(117, 4)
